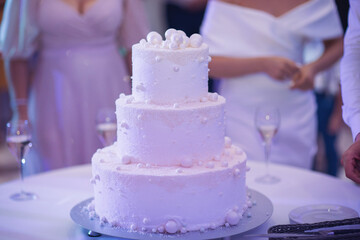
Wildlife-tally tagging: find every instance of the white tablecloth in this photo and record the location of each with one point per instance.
(48, 217)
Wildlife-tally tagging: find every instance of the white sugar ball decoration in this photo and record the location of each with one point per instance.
(143, 42)
(122, 95)
(210, 165)
(154, 38)
(126, 159)
(176, 105)
(232, 218)
(169, 33)
(165, 44)
(173, 46)
(179, 170)
(203, 99)
(237, 172)
(196, 40)
(183, 230)
(176, 68)
(171, 226)
(185, 43)
(181, 32)
(213, 97)
(176, 38)
(161, 229)
(146, 220)
(187, 162)
(158, 59)
(228, 142)
(133, 227)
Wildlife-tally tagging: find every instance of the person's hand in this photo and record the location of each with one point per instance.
(351, 161)
(303, 79)
(280, 68)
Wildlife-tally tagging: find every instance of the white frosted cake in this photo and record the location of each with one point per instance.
(171, 169)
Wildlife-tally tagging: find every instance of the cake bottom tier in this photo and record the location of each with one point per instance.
(169, 199)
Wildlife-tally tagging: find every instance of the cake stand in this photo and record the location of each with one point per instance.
(255, 216)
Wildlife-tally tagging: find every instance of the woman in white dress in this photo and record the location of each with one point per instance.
(78, 69)
(258, 56)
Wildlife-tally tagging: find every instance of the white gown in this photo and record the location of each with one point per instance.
(254, 33)
(78, 71)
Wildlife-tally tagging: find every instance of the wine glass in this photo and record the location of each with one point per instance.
(18, 139)
(267, 122)
(106, 126)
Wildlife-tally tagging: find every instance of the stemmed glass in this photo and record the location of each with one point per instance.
(18, 139)
(106, 126)
(267, 122)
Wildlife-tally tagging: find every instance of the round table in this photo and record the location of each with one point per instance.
(48, 217)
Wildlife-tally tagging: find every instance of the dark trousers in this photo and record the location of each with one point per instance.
(325, 105)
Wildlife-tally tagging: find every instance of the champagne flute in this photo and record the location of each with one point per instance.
(18, 139)
(106, 126)
(267, 122)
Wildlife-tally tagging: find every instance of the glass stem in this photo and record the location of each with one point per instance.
(267, 155)
(22, 163)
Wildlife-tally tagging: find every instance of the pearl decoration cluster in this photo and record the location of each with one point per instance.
(174, 39)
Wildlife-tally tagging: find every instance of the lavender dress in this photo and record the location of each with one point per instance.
(78, 70)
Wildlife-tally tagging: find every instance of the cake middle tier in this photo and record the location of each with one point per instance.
(167, 135)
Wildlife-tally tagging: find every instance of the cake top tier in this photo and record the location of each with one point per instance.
(170, 70)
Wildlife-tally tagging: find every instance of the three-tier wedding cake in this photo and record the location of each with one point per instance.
(171, 169)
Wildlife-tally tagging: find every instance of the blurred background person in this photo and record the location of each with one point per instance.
(329, 102)
(66, 60)
(259, 59)
(350, 87)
